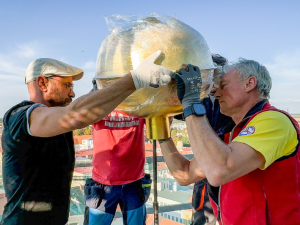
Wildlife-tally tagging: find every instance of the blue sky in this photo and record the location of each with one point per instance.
(72, 31)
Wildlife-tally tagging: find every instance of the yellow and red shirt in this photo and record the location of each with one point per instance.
(272, 134)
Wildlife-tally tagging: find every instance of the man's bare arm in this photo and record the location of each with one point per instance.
(184, 171)
(88, 109)
(220, 163)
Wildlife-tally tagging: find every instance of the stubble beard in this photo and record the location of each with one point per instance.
(57, 100)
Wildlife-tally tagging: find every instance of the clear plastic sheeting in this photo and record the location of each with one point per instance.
(132, 39)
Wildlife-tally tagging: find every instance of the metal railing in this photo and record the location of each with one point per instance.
(79, 219)
(149, 159)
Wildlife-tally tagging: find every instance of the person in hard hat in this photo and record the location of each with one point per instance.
(38, 148)
(263, 148)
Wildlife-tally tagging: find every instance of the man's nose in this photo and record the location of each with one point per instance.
(72, 93)
(217, 94)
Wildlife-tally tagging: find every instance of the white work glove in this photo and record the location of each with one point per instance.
(150, 75)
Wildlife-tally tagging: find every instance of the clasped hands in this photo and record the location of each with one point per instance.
(188, 79)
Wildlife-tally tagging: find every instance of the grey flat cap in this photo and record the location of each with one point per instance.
(51, 67)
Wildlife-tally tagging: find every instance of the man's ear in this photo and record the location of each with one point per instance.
(251, 83)
(42, 83)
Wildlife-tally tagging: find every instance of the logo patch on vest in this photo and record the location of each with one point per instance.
(247, 131)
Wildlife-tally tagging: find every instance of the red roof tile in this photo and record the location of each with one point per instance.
(191, 199)
(83, 170)
(84, 152)
(3, 201)
(150, 219)
(165, 221)
(150, 146)
(78, 139)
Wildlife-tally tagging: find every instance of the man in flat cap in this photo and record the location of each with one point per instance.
(38, 148)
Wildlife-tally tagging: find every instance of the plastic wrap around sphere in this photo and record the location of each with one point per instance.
(124, 49)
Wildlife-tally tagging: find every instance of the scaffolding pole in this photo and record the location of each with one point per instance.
(155, 203)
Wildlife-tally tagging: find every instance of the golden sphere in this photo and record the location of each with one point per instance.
(127, 45)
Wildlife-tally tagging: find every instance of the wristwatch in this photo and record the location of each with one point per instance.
(196, 109)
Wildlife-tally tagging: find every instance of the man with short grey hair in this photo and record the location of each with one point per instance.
(38, 148)
(247, 68)
(262, 149)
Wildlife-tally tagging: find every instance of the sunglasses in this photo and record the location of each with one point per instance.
(67, 84)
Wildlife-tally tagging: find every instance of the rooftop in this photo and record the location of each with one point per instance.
(162, 221)
(83, 170)
(84, 152)
(79, 139)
